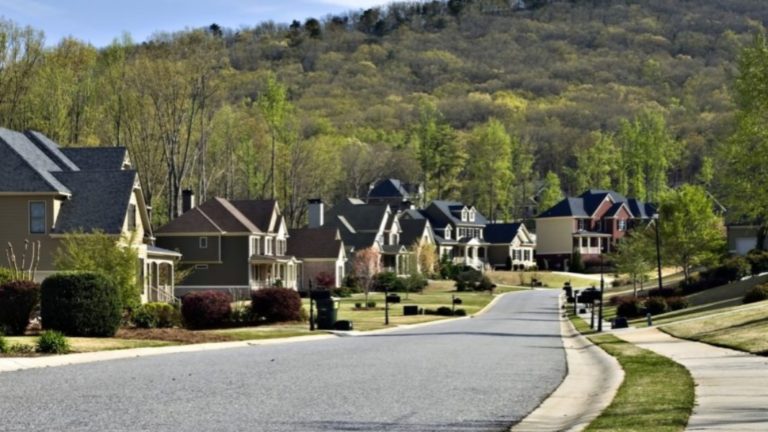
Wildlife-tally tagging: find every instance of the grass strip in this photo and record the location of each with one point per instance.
(657, 394)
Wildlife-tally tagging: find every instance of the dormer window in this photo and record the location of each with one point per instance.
(464, 215)
(472, 215)
(448, 232)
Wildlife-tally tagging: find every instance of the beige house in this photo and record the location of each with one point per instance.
(511, 247)
(237, 246)
(321, 251)
(47, 191)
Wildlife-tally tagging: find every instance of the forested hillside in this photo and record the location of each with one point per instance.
(480, 99)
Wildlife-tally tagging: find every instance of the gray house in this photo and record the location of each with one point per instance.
(511, 247)
(320, 250)
(236, 246)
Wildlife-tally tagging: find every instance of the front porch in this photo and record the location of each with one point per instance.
(590, 243)
(471, 254)
(265, 272)
(158, 275)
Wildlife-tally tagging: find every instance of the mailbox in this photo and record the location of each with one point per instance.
(457, 301)
(393, 298)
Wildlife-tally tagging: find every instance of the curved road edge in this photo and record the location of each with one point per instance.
(590, 385)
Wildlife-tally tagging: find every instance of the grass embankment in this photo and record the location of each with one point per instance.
(83, 344)
(549, 279)
(742, 328)
(657, 394)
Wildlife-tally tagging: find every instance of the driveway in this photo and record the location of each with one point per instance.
(479, 374)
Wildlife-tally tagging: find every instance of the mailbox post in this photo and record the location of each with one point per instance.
(311, 308)
(454, 301)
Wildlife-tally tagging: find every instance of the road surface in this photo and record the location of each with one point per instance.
(479, 374)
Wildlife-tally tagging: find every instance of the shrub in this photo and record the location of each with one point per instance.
(17, 301)
(156, 315)
(416, 283)
(388, 281)
(275, 305)
(758, 261)
(241, 316)
(6, 275)
(428, 311)
(445, 311)
(342, 292)
(20, 348)
(358, 305)
(468, 280)
(732, 269)
(80, 304)
(663, 292)
(628, 307)
(325, 280)
(655, 305)
(460, 312)
(353, 283)
(756, 294)
(577, 263)
(485, 284)
(677, 303)
(206, 309)
(370, 304)
(3, 344)
(448, 270)
(52, 342)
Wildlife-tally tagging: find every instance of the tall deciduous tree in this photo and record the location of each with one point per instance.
(488, 173)
(597, 165)
(367, 264)
(634, 256)
(552, 192)
(744, 158)
(439, 151)
(21, 51)
(691, 232)
(274, 106)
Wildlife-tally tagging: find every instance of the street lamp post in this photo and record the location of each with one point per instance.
(658, 250)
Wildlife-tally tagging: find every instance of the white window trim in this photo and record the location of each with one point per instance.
(29, 217)
(202, 242)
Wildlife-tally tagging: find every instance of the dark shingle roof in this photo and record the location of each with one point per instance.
(97, 158)
(586, 204)
(566, 207)
(501, 233)
(99, 201)
(362, 217)
(51, 149)
(412, 230)
(214, 215)
(259, 212)
(26, 168)
(314, 243)
(442, 213)
(393, 188)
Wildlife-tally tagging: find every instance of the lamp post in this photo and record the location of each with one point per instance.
(657, 218)
(602, 289)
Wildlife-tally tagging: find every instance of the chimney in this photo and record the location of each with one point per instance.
(187, 200)
(316, 213)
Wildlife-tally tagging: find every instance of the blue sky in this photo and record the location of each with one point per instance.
(100, 21)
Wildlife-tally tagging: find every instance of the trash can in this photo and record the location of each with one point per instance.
(410, 310)
(327, 312)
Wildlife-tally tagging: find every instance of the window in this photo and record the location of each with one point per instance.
(37, 217)
(581, 225)
(132, 217)
(268, 246)
(471, 215)
(622, 225)
(257, 245)
(447, 232)
(203, 242)
(201, 267)
(464, 215)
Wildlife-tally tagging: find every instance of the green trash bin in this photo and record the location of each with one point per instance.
(327, 312)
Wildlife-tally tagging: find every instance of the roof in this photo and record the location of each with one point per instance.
(412, 230)
(314, 243)
(501, 233)
(259, 212)
(393, 188)
(97, 157)
(218, 215)
(441, 213)
(361, 216)
(154, 250)
(586, 204)
(25, 167)
(99, 201)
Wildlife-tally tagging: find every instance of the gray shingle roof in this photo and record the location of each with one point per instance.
(412, 230)
(441, 213)
(97, 158)
(214, 215)
(501, 233)
(26, 168)
(314, 243)
(585, 205)
(99, 200)
(51, 149)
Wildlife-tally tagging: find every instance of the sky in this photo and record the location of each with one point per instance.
(101, 21)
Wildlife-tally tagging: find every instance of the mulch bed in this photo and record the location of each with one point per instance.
(172, 335)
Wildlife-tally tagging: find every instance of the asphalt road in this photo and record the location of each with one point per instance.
(479, 374)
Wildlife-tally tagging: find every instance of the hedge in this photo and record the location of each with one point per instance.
(17, 301)
(80, 304)
(275, 305)
(206, 309)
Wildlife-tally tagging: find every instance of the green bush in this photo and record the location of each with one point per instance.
(343, 292)
(17, 301)
(370, 304)
(460, 312)
(358, 305)
(20, 349)
(655, 305)
(756, 294)
(388, 281)
(275, 305)
(468, 280)
(416, 283)
(3, 344)
(448, 270)
(52, 342)
(206, 309)
(445, 311)
(156, 315)
(628, 307)
(758, 261)
(677, 303)
(80, 304)
(485, 284)
(6, 275)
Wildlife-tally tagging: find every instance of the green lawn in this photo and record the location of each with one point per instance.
(743, 328)
(82, 344)
(265, 332)
(549, 279)
(657, 394)
(581, 325)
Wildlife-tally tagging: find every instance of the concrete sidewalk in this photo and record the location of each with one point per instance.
(731, 386)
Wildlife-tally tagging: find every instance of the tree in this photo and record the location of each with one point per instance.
(439, 152)
(596, 166)
(489, 175)
(274, 106)
(424, 257)
(552, 192)
(115, 258)
(744, 157)
(691, 233)
(634, 256)
(367, 264)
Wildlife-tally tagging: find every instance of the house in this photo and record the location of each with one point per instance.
(458, 231)
(511, 247)
(364, 226)
(591, 223)
(742, 238)
(320, 250)
(47, 191)
(415, 235)
(236, 246)
(398, 195)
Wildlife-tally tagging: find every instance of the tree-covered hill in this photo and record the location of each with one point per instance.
(405, 90)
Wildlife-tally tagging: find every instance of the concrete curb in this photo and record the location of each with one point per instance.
(10, 364)
(590, 385)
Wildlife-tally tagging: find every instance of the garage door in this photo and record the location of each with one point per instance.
(744, 245)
